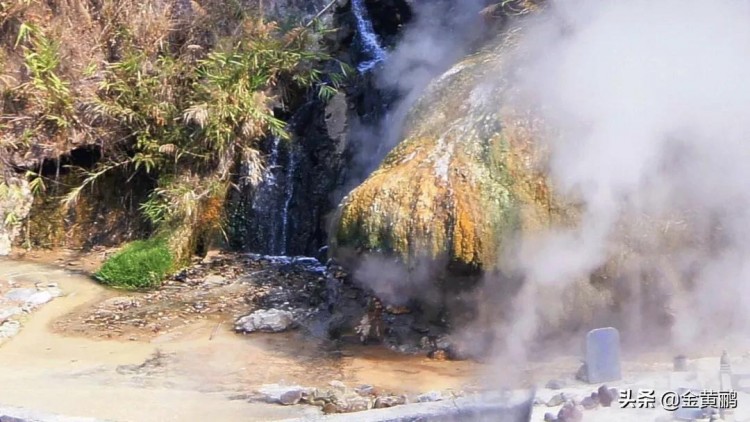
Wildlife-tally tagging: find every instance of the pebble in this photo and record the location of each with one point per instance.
(549, 417)
(291, 397)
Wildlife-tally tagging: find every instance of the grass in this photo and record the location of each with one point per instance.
(142, 264)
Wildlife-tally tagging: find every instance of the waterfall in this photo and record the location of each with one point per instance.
(369, 39)
(272, 199)
(288, 193)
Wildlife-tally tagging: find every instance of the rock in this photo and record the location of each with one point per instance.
(338, 385)
(389, 401)
(570, 413)
(214, 280)
(463, 176)
(275, 393)
(6, 313)
(365, 390)
(606, 396)
(9, 329)
(603, 355)
(20, 294)
(430, 397)
(589, 403)
(291, 397)
(39, 298)
(557, 400)
(272, 320)
(549, 417)
(16, 199)
(555, 384)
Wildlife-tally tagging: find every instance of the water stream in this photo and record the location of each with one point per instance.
(370, 41)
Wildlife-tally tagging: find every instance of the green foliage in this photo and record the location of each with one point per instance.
(174, 103)
(184, 116)
(141, 264)
(46, 88)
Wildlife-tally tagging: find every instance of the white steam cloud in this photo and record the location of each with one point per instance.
(648, 106)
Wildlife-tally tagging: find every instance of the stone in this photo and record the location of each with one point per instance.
(389, 401)
(557, 400)
(365, 390)
(275, 393)
(605, 396)
(603, 355)
(9, 329)
(429, 397)
(589, 403)
(20, 294)
(290, 398)
(549, 417)
(270, 321)
(555, 384)
(39, 298)
(570, 413)
(9, 312)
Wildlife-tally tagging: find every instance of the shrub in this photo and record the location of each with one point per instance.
(142, 264)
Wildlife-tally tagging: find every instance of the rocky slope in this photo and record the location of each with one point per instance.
(462, 180)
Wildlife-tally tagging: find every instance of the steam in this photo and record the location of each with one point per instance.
(441, 33)
(647, 108)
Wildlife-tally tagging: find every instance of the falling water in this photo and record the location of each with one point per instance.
(369, 39)
(273, 197)
(288, 193)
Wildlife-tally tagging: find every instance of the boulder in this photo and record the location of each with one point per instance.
(463, 179)
(269, 321)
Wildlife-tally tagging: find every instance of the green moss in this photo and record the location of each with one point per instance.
(142, 264)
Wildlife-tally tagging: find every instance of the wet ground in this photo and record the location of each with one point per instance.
(198, 371)
(70, 358)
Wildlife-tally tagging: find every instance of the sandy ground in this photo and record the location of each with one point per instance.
(199, 372)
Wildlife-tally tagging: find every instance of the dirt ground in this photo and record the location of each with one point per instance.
(166, 359)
